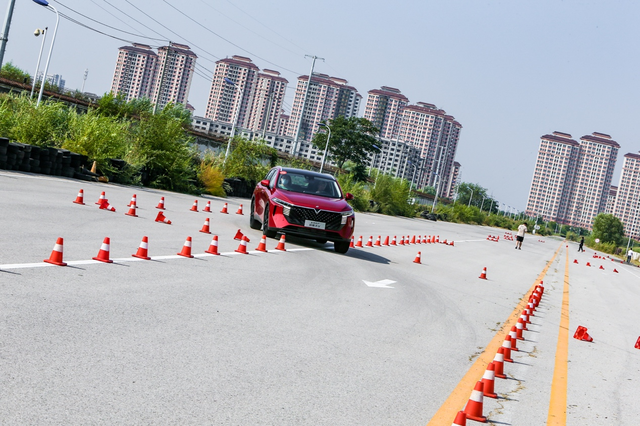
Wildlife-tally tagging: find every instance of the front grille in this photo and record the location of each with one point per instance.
(332, 220)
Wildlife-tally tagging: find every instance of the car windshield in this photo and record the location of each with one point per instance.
(306, 184)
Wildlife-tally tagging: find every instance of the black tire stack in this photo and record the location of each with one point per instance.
(4, 144)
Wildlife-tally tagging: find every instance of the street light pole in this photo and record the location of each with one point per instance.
(45, 3)
(470, 198)
(235, 119)
(37, 32)
(326, 147)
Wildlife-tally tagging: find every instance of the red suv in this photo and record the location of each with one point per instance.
(304, 204)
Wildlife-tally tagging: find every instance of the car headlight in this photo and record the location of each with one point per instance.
(345, 215)
(286, 207)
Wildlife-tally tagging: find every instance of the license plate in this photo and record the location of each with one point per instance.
(314, 224)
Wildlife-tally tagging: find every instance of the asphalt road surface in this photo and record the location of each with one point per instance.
(302, 337)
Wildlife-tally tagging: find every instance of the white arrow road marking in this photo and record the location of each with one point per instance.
(379, 284)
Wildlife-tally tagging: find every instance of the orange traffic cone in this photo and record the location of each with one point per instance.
(601, 267)
(581, 334)
(133, 201)
(160, 204)
(239, 235)
(488, 380)
(425, 241)
(242, 248)
(186, 248)
(483, 275)
(588, 264)
(413, 239)
(224, 209)
(575, 260)
(370, 242)
(451, 243)
(205, 227)
(194, 207)
(142, 252)
(263, 245)
(473, 410)
(80, 198)
(393, 242)
(161, 218)
(519, 329)
(207, 208)
(514, 338)
(239, 210)
(213, 247)
(280, 245)
(56, 254)
(506, 349)
(377, 243)
(615, 270)
(132, 211)
(460, 420)
(359, 243)
(498, 364)
(101, 199)
(386, 241)
(351, 243)
(417, 259)
(637, 346)
(106, 206)
(401, 242)
(103, 254)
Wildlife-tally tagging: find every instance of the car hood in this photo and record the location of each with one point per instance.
(312, 201)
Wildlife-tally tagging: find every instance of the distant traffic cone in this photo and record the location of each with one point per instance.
(615, 270)
(473, 409)
(451, 243)
(377, 243)
(80, 198)
(94, 167)
(386, 241)
(601, 267)
(488, 380)
(160, 204)
(575, 260)
(263, 245)
(417, 259)
(445, 242)
(424, 241)
(280, 245)
(133, 201)
(498, 363)
(106, 206)
(101, 199)
(401, 242)
(161, 218)
(460, 420)
(132, 211)
(483, 275)
(207, 208)
(239, 210)
(506, 348)
(224, 209)
(239, 235)
(143, 250)
(437, 238)
(393, 242)
(194, 207)
(103, 254)
(242, 248)
(514, 338)
(637, 346)
(56, 254)
(413, 239)
(205, 227)
(359, 243)
(186, 248)
(213, 247)
(351, 243)
(369, 242)
(588, 264)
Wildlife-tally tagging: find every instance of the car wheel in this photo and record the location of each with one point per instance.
(321, 240)
(341, 246)
(269, 233)
(253, 223)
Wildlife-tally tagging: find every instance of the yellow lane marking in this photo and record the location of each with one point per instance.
(558, 402)
(460, 395)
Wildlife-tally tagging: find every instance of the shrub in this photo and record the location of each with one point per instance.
(360, 200)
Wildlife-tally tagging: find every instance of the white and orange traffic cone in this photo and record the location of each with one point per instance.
(162, 218)
(239, 235)
(102, 198)
(488, 380)
(160, 204)
(56, 254)
(514, 338)
(103, 254)
(194, 207)
(401, 242)
(369, 242)
(213, 247)
(239, 210)
(425, 241)
(106, 206)
(483, 275)
(133, 201)
(280, 245)
(506, 349)
(207, 208)
(242, 248)
(359, 243)
(80, 198)
(263, 245)
(377, 243)
(205, 227)
(498, 364)
(224, 209)
(393, 242)
(473, 409)
(418, 257)
(460, 420)
(186, 248)
(143, 250)
(132, 211)
(351, 243)
(519, 329)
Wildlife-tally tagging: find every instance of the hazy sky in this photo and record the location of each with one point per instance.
(508, 71)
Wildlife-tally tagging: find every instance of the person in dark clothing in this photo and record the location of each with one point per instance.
(580, 247)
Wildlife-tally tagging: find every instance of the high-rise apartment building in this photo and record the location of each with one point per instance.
(384, 110)
(611, 200)
(627, 203)
(572, 180)
(266, 107)
(135, 72)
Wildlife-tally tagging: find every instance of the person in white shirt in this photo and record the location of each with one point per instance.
(520, 235)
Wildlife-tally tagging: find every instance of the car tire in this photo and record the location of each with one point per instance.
(321, 241)
(341, 246)
(253, 223)
(269, 233)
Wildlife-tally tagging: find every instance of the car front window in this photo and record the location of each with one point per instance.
(306, 184)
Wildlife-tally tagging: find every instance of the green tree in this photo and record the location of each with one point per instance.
(249, 160)
(352, 139)
(393, 196)
(11, 72)
(477, 195)
(608, 229)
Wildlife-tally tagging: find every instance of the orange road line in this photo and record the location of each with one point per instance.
(558, 400)
(460, 394)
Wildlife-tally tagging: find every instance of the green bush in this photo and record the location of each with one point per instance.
(360, 200)
(393, 196)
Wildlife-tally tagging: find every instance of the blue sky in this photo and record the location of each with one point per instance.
(508, 71)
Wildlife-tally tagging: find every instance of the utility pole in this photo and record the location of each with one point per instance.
(86, 73)
(5, 30)
(304, 103)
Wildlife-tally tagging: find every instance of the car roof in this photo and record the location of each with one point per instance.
(307, 172)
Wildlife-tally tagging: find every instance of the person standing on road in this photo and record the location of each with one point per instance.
(629, 255)
(580, 247)
(520, 235)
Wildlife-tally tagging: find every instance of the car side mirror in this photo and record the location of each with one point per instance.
(265, 183)
(348, 196)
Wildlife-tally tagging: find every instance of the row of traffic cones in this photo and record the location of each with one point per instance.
(394, 242)
(601, 267)
(56, 257)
